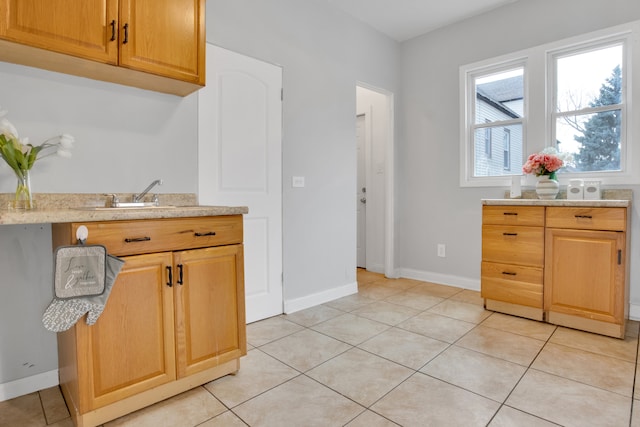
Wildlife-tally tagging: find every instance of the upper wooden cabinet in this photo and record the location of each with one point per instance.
(151, 44)
(74, 27)
(164, 37)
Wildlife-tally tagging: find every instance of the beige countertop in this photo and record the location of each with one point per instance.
(59, 208)
(559, 202)
(611, 198)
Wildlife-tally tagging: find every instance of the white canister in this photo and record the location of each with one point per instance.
(592, 190)
(575, 189)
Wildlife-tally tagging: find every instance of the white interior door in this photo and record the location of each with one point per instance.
(240, 164)
(361, 191)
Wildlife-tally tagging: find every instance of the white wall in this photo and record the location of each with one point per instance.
(432, 208)
(324, 53)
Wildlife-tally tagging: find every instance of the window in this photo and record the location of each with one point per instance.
(570, 95)
(506, 150)
(588, 106)
(498, 100)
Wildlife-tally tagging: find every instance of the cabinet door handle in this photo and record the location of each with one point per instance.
(619, 257)
(209, 233)
(509, 273)
(170, 282)
(509, 234)
(126, 34)
(137, 239)
(583, 216)
(510, 213)
(113, 30)
(180, 282)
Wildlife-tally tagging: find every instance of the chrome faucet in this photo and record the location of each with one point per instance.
(138, 197)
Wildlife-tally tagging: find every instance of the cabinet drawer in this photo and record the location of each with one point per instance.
(513, 215)
(512, 284)
(158, 235)
(614, 219)
(513, 245)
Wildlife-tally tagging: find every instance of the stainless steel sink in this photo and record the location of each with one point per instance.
(123, 207)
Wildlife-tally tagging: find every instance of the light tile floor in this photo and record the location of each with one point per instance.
(399, 352)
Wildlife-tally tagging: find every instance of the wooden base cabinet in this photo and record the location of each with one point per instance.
(513, 259)
(174, 319)
(568, 267)
(585, 269)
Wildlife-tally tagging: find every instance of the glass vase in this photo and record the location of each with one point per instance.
(547, 188)
(23, 199)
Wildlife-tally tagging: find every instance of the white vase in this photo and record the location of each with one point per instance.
(547, 188)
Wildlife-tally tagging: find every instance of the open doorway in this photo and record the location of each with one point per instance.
(374, 193)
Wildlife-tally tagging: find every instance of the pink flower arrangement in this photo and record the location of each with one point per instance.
(543, 164)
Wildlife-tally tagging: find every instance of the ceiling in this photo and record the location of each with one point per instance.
(405, 19)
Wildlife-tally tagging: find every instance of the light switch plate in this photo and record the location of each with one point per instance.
(297, 181)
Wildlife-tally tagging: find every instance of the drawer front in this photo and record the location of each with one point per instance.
(614, 219)
(158, 235)
(513, 245)
(513, 215)
(512, 284)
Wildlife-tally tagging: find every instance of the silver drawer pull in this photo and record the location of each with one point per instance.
(137, 239)
(583, 216)
(210, 233)
(508, 273)
(509, 234)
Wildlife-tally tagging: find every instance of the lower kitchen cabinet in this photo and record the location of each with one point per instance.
(585, 273)
(573, 273)
(174, 320)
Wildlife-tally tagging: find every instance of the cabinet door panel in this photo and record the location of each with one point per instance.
(164, 37)
(210, 318)
(584, 274)
(76, 27)
(131, 346)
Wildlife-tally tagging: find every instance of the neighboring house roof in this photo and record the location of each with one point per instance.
(499, 92)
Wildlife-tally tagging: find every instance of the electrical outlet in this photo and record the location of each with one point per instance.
(441, 250)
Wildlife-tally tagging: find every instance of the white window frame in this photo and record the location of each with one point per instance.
(539, 91)
(623, 39)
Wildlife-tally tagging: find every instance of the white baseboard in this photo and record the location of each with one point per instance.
(376, 268)
(634, 312)
(441, 279)
(291, 306)
(28, 385)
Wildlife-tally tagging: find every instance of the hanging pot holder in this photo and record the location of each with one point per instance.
(79, 271)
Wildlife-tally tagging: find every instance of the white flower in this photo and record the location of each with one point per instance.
(7, 128)
(66, 140)
(63, 153)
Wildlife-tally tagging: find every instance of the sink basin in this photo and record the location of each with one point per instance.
(122, 207)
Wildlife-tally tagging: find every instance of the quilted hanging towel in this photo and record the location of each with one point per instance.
(73, 299)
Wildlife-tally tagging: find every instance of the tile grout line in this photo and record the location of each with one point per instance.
(635, 378)
(502, 404)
